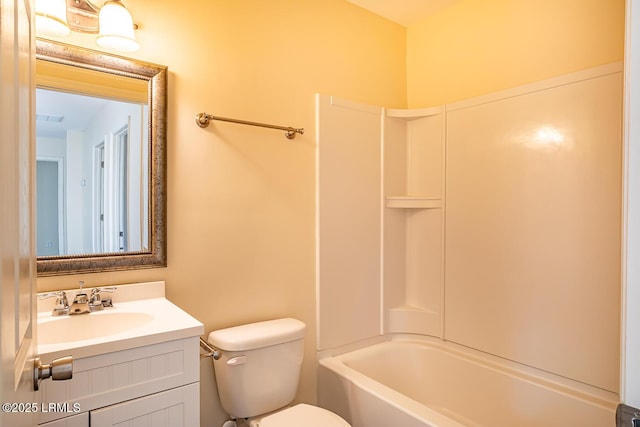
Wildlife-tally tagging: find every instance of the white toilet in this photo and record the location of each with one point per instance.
(258, 372)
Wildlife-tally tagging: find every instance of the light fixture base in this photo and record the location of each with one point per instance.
(82, 16)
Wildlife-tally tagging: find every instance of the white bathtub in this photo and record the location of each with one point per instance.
(409, 382)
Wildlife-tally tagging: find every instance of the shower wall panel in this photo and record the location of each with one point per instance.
(349, 221)
(533, 191)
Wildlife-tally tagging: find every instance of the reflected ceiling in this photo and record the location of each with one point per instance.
(73, 111)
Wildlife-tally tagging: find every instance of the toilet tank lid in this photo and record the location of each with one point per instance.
(257, 335)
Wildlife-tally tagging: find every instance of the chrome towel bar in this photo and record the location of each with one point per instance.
(202, 120)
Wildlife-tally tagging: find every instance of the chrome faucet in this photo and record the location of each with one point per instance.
(62, 303)
(83, 304)
(80, 303)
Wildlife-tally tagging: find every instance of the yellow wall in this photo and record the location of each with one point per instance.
(477, 46)
(241, 199)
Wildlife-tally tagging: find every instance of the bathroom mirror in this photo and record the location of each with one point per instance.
(101, 161)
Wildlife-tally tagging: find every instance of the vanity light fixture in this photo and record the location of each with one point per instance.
(51, 18)
(116, 27)
(112, 22)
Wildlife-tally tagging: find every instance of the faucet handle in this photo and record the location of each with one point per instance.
(96, 299)
(62, 303)
(50, 294)
(63, 299)
(61, 295)
(95, 292)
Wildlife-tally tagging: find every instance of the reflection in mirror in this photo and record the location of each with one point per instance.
(91, 170)
(100, 152)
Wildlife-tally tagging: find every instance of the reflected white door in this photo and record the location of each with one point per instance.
(121, 140)
(98, 199)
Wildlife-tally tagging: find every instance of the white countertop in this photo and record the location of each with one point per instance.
(164, 321)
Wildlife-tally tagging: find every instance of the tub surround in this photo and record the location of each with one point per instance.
(475, 223)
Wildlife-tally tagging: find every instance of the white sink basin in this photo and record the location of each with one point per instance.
(87, 326)
(140, 316)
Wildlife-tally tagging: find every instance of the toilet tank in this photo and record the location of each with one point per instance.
(259, 369)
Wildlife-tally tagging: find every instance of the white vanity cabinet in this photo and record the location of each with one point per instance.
(124, 373)
(158, 382)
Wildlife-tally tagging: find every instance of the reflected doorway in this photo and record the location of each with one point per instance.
(49, 206)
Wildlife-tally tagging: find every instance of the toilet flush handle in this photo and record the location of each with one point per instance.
(211, 352)
(238, 360)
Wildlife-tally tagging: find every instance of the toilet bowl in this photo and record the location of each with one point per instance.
(258, 372)
(300, 415)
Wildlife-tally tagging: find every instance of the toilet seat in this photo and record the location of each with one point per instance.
(303, 414)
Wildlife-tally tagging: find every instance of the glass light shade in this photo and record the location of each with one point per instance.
(51, 18)
(116, 28)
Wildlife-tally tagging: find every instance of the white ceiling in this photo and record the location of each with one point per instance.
(404, 12)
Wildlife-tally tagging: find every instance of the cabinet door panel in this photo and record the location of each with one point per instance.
(80, 420)
(178, 407)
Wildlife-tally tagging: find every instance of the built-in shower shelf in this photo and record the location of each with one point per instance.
(413, 202)
(410, 319)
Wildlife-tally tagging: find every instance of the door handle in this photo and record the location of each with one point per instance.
(57, 370)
